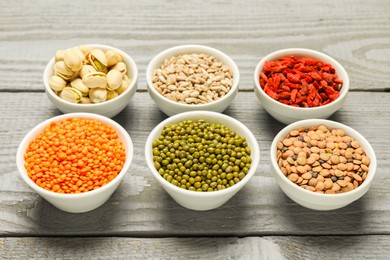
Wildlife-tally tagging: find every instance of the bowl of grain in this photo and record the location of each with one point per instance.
(192, 77)
(75, 161)
(296, 84)
(322, 164)
(91, 78)
(202, 158)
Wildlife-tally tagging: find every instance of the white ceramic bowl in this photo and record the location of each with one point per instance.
(311, 199)
(108, 108)
(170, 107)
(289, 114)
(203, 200)
(82, 202)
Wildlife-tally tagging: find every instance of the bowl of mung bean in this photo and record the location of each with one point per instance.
(322, 164)
(192, 77)
(75, 161)
(202, 158)
(296, 84)
(91, 78)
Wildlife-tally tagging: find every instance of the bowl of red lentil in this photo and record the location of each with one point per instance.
(296, 84)
(192, 77)
(322, 164)
(106, 101)
(202, 158)
(75, 161)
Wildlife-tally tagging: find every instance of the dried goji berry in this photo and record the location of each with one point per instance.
(303, 82)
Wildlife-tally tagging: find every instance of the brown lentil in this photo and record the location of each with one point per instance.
(323, 160)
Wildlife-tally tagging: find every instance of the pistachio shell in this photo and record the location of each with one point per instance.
(112, 58)
(114, 79)
(98, 60)
(85, 49)
(126, 78)
(112, 94)
(80, 54)
(60, 55)
(85, 100)
(72, 60)
(70, 94)
(86, 69)
(95, 80)
(75, 76)
(57, 83)
(79, 85)
(121, 67)
(61, 70)
(123, 87)
(97, 95)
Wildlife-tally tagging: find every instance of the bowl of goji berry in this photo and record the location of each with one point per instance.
(75, 161)
(296, 84)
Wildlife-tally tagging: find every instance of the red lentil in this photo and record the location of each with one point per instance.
(75, 155)
(300, 82)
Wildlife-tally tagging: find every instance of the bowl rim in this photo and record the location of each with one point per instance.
(186, 49)
(132, 65)
(329, 124)
(340, 70)
(126, 142)
(255, 152)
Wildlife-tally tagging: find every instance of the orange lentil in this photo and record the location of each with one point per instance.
(75, 155)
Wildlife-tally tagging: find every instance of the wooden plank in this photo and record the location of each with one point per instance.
(354, 33)
(140, 207)
(310, 247)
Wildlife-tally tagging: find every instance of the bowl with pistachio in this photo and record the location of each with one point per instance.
(192, 77)
(92, 78)
(202, 158)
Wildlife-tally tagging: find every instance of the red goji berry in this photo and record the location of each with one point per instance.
(294, 93)
(302, 82)
(294, 78)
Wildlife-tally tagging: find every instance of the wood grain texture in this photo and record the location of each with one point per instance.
(140, 220)
(356, 33)
(275, 248)
(140, 207)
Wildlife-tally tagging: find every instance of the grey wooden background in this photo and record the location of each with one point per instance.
(140, 220)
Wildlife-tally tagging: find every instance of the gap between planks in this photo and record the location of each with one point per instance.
(145, 90)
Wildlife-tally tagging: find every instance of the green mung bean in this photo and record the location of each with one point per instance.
(201, 156)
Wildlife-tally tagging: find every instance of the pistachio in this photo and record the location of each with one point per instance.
(97, 95)
(60, 55)
(121, 67)
(124, 86)
(112, 94)
(98, 60)
(114, 80)
(79, 85)
(72, 60)
(71, 95)
(62, 71)
(85, 100)
(86, 69)
(80, 54)
(112, 58)
(57, 83)
(85, 49)
(95, 80)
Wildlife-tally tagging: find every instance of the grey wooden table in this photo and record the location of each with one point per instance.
(140, 220)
